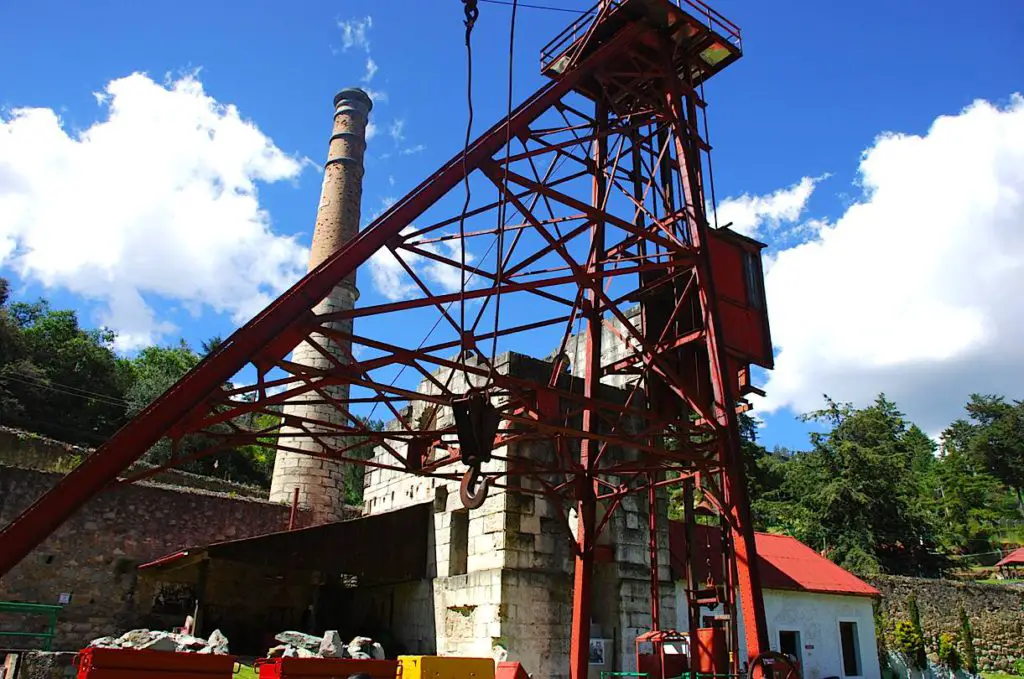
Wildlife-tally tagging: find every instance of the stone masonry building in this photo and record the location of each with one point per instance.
(501, 576)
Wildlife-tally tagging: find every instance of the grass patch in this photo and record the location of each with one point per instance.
(996, 581)
(998, 675)
(246, 672)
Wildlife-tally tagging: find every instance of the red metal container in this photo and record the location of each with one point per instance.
(712, 651)
(335, 668)
(130, 663)
(510, 670)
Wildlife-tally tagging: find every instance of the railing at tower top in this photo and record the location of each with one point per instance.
(696, 9)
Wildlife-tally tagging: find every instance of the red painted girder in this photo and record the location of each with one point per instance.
(44, 516)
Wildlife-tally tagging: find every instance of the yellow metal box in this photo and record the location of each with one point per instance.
(437, 667)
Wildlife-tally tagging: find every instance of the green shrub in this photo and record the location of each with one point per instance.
(1018, 667)
(948, 654)
(910, 643)
(970, 658)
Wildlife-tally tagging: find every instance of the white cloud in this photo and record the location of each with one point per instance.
(371, 130)
(748, 214)
(393, 283)
(356, 33)
(376, 96)
(412, 150)
(159, 199)
(371, 69)
(397, 130)
(390, 278)
(915, 289)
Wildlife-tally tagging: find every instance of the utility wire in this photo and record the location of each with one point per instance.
(31, 381)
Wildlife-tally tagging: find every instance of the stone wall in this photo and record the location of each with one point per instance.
(996, 613)
(26, 450)
(94, 555)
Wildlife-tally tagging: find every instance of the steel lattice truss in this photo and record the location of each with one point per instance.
(586, 222)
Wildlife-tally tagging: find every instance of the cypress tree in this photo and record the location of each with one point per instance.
(915, 619)
(967, 641)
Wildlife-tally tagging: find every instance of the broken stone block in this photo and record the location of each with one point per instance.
(134, 638)
(218, 642)
(163, 642)
(331, 646)
(301, 652)
(359, 645)
(277, 651)
(189, 643)
(104, 642)
(377, 651)
(300, 639)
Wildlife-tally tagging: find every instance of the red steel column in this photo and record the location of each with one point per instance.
(585, 497)
(748, 579)
(652, 544)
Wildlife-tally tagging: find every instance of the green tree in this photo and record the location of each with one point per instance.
(998, 439)
(920, 657)
(855, 495)
(211, 345)
(968, 500)
(970, 657)
(156, 369)
(356, 473)
(59, 379)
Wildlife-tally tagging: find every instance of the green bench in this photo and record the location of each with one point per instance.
(33, 609)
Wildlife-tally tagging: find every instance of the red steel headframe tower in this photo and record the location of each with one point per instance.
(585, 219)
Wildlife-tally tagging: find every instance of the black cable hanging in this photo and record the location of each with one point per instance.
(472, 14)
(502, 194)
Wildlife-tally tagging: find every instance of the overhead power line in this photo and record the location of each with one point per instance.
(69, 390)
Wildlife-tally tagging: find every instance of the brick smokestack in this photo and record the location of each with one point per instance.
(321, 482)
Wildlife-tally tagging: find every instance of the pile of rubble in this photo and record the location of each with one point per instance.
(330, 645)
(154, 640)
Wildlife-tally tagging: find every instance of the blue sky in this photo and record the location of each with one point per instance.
(818, 85)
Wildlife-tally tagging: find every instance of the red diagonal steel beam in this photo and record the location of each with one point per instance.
(37, 522)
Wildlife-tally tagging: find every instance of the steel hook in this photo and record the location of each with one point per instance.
(473, 489)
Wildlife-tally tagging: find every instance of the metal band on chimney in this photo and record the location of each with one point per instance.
(353, 163)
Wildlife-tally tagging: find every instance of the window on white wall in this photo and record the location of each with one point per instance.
(458, 549)
(851, 648)
(789, 643)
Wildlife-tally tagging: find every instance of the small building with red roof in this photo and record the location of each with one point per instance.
(817, 611)
(1013, 560)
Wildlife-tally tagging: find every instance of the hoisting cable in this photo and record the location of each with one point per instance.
(472, 14)
(476, 418)
(502, 200)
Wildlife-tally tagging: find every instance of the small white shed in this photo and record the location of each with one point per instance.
(817, 612)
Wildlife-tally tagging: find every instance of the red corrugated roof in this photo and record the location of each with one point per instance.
(784, 563)
(1014, 558)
